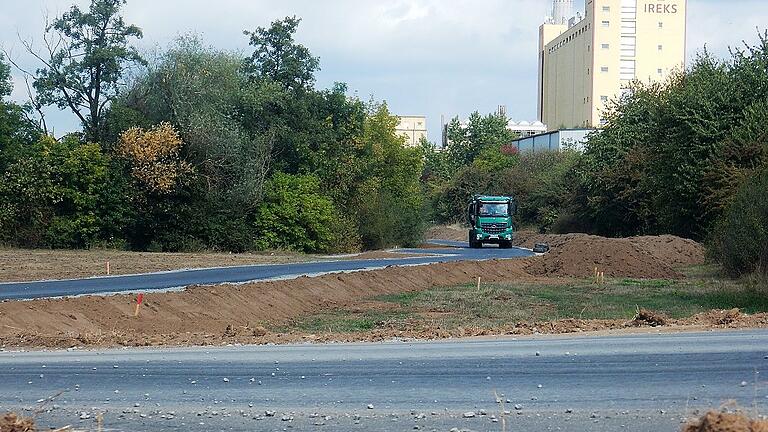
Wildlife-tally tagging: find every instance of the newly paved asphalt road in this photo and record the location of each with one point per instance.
(627, 383)
(182, 278)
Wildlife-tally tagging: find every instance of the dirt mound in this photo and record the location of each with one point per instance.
(672, 250)
(577, 255)
(10, 422)
(447, 232)
(726, 422)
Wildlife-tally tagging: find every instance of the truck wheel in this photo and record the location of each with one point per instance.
(474, 244)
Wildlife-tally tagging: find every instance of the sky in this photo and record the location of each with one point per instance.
(423, 57)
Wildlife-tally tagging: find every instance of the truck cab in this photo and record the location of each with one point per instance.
(490, 220)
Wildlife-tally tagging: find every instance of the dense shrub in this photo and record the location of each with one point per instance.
(296, 215)
(740, 240)
(59, 195)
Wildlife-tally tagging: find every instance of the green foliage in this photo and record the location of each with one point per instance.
(467, 141)
(295, 215)
(16, 131)
(85, 65)
(673, 154)
(740, 240)
(56, 196)
(6, 85)
(388, 201)
(277, 57)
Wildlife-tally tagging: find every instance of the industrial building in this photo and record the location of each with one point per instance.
(413, 128)
(585, 61)
(564, 139)
(525, 128)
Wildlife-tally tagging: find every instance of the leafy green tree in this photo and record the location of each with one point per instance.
(467, 141)
(279, 58)
(388, 201)
(740, 240)
(296, 215)
(17, 132)
(87, 54)
(58, 196)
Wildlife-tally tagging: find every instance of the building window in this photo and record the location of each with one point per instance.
(606, 8)
(606, 23)
(604, 69)
(605, 46)
(661, 24)
(661, 47)
(659, 71)
(603, 98)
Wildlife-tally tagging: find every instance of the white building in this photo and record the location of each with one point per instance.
(526, 128)
(413, 128)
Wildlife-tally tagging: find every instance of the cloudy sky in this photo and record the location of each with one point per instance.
(429, 57)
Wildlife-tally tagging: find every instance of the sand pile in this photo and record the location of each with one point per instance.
(577, 255)
(726, 422)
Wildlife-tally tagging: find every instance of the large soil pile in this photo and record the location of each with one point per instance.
(447, 232)
(578, 255)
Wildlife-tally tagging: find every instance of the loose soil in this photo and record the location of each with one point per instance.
(39, 264)
(726, 422)
(263, 312)
(10, 422)
(447, 232)
(581, 255)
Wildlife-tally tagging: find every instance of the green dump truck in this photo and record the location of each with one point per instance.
(490, 220)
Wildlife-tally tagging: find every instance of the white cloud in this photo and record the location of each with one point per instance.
(423, 56)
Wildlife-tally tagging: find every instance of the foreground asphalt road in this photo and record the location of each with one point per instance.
(175, 279)
(627, 383)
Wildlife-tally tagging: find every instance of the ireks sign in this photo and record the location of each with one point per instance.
(660, 8)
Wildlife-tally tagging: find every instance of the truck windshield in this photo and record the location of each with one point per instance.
(493, 209)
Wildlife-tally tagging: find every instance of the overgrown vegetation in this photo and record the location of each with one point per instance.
(201, 149)
(669, 160)
(209, 149)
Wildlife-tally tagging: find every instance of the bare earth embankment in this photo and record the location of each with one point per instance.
(553, 293)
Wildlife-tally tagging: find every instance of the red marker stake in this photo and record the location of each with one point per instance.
(139, 300)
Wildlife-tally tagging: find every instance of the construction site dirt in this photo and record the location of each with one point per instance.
(249, 313)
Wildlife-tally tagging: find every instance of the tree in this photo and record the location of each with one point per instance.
(467, 141)
(154, 157)
(58, 196)
(279, 58)
(17, 132)
(87, 53)
(296, 215)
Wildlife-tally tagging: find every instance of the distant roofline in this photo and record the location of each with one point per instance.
(552, 132)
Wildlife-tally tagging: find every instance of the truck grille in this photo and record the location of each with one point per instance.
(493, 228)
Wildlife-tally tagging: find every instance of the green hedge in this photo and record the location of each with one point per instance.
(740, 239)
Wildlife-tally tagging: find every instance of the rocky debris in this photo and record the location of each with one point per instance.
(469, 414)
(726, 422)
(645, 317)
(729, 316)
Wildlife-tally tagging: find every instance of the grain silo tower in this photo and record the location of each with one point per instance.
(562, 11)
